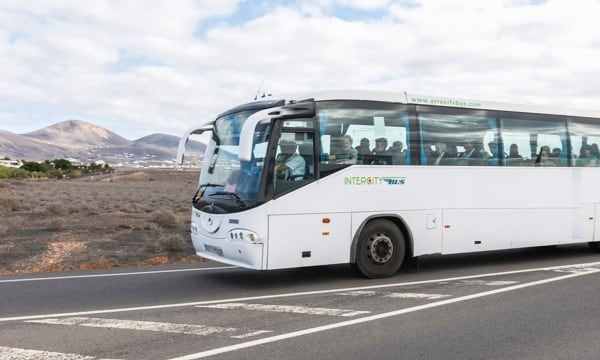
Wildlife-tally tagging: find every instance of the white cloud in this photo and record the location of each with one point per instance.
(147, 66)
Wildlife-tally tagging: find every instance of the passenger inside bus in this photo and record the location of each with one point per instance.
(364, 147)
(379, 155)
(380, 147)
(441, 155)
(493, 159)
(585, 156)
(594, 151)
(347, 154)
(543, 158)
(470, 156)
(397, 152)
(289, 165)
(514, 158)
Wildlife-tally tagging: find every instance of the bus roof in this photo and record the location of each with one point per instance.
(418, 99)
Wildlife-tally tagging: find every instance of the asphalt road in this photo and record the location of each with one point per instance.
(529, 304)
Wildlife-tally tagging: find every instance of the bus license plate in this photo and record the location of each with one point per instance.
(214, 250)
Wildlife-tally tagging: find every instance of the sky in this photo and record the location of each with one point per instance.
(138, 67)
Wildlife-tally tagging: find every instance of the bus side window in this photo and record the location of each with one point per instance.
(585, 139)
(377, 134)
(454, 138)
(536, 141)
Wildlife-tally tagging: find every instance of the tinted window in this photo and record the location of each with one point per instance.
(355, 132)
(529, 142)
(457, 139)
(585, 139)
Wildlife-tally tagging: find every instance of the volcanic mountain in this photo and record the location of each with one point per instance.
(87, 142)
(22, 147)
(77, 134)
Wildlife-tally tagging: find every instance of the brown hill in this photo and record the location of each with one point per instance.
(88, 142)
(22, 147)
(78, 134)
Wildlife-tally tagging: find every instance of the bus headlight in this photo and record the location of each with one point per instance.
(194, 228)
(244, 235)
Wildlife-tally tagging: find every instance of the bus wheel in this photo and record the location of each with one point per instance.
(595, 246)
(380, 250)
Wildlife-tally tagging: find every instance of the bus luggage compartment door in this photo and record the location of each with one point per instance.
(308, 240)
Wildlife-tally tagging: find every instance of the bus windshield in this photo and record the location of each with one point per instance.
(226, 183)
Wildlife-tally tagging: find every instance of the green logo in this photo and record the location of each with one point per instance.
(374, 180)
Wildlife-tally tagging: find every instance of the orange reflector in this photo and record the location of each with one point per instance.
(447, 226)
(326, 220)
(325, 233)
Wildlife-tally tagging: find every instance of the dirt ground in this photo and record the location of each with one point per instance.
(126, 219)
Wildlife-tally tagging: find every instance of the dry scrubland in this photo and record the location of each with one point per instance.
(138, 218)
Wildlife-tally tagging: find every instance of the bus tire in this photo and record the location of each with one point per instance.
(595, 246)
(380, 249)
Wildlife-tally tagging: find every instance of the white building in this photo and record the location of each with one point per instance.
(15, 164)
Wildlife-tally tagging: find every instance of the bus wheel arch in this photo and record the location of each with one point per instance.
(380, 246)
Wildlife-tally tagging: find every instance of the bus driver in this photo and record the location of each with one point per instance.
(289, 164)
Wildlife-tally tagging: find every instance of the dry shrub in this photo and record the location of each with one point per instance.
(11, 204)
(55, 209)
(128, 208)
(152, 227)
(164, 219)
(90, 211)
(171, 243)
(55, 225)
(16, 222)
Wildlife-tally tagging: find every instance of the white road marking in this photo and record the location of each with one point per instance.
(22, 354)
(287, 309)
(416, 296)
(200, 330)
(365, 319)
(574, 269)
(134, 273)
(285, 295)
(488, 283)
(395, 295)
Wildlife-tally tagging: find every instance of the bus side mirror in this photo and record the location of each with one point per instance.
(206, 126)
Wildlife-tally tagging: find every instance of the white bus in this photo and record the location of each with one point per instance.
(428, 175)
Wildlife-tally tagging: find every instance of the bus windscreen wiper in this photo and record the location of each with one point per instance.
(201, 190)
(207, 185)
(236, 196)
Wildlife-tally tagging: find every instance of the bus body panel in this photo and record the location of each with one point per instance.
(470, 230)
(308, 239)
(475, 209)
(595, 215)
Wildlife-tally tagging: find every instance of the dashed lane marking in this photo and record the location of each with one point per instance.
(593, 265)
(395, 295)
(287, 309)
(489, 283)
(200, 330)
(365, 319)
(22, 354)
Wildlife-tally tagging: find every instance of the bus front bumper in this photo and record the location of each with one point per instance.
(223, 250)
